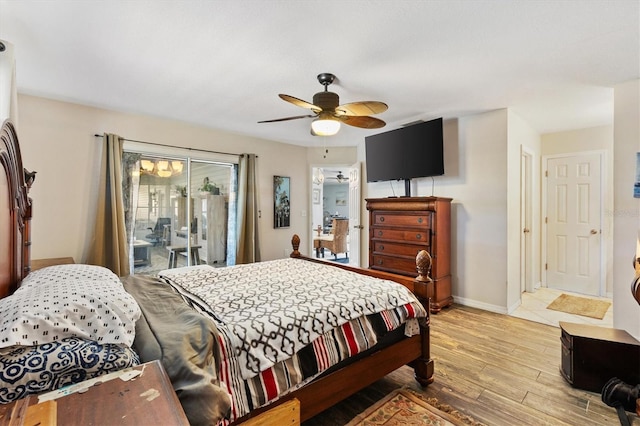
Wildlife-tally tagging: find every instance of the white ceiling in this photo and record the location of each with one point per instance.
(221, 64)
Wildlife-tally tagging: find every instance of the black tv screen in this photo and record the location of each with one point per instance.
(409, 152)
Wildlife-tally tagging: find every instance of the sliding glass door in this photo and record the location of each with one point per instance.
(182, 212)
(213, 193)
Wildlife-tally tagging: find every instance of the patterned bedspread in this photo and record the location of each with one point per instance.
(272, 311)
(275, 326)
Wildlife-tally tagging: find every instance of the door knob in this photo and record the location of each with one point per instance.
(593, 232)
(525, 230)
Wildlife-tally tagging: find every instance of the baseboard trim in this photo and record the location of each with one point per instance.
(480, 305)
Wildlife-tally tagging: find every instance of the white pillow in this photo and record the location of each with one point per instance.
(60, 273)
(58, 303)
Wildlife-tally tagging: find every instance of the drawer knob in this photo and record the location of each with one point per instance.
(418, 236)
(379, 261)
(379, 233)
(381, 218)
(380, 247)
(419, 220)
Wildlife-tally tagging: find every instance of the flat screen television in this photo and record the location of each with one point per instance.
(410, 152)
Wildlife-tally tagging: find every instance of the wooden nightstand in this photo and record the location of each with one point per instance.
(592, 355)
(43, 263)
(145, 399)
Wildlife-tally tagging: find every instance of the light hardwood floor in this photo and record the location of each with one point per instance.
(499, 369)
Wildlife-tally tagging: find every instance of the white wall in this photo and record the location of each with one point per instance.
(475, 154)
(626, 213)
(521, 136)
(8, 89)
(57, 140)
(591, 139)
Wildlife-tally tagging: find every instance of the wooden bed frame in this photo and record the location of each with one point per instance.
(322, 393)
(330, 389)
(15, 213)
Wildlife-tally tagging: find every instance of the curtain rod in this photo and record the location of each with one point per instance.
(175, 146)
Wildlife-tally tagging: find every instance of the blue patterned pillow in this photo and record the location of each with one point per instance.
(28, 370)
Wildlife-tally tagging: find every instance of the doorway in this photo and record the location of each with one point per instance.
(526, 251)
(573, 223)
(333, 200)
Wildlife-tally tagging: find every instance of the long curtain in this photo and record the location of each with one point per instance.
(248, 250)
(130, 189)
(110, 247)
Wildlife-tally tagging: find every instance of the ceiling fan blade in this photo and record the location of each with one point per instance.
(300, 102)
(287, 118)
(365, 122)
(362, 108)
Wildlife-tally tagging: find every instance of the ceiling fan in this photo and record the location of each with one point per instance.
(328, 112)
(340, 177)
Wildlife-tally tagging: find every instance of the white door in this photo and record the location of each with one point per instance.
(574, 223)
(526, 279)
(354, 215)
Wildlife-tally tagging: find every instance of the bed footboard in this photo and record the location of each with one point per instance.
(415, 351)
(423, 289)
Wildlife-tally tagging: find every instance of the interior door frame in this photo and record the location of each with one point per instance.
(355, 222)
(347, 169)
(604, 235)
(526, 220)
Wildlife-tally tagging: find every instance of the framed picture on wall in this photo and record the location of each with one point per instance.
(281, 202)
(341, 198)
(316, 196)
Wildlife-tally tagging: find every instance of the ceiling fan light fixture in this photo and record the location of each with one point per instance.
(323, 126)
(147, 165)
(177, 166)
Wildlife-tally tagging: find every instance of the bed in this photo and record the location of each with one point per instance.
(225, 363)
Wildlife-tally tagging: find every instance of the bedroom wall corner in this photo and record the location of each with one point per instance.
(626, 212)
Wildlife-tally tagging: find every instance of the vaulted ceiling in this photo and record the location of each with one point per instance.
(222, 64)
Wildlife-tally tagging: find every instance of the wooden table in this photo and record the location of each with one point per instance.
(175, 250)
(141, 253)
(147, 399)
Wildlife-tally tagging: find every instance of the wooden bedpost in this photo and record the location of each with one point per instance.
(295, 243)
(423, 289)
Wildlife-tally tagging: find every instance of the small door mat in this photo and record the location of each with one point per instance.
(407, 407)
(582, 306)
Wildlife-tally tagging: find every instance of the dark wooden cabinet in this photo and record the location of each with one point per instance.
(400, 227)
(592, 355)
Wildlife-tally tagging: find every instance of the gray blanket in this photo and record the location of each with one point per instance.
(185, 343)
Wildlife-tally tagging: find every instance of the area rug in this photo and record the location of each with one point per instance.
(582, 306)
(405, 407)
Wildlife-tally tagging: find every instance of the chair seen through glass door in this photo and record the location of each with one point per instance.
(177, 223)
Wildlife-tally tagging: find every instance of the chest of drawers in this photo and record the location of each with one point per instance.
(400, 227)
